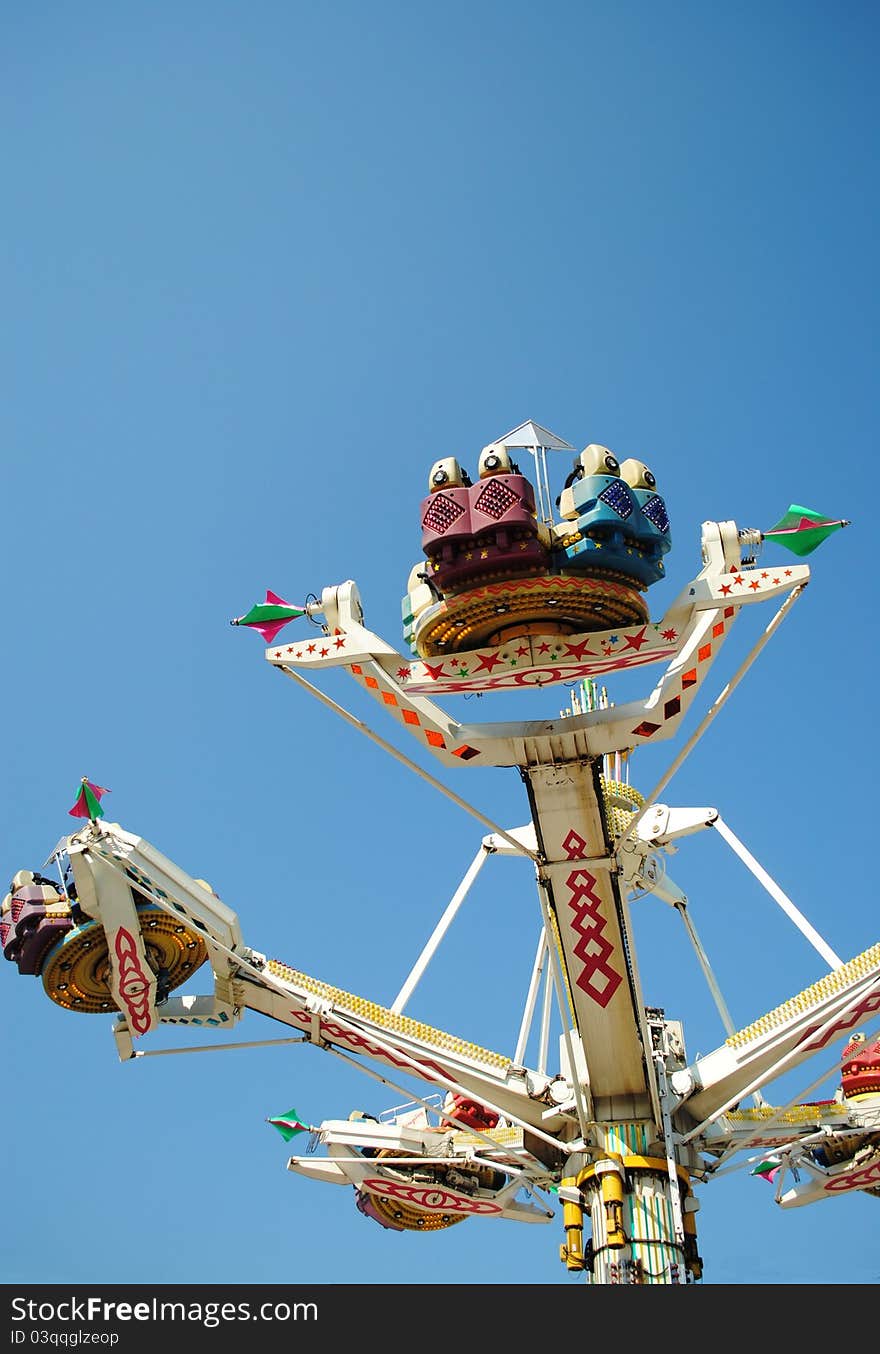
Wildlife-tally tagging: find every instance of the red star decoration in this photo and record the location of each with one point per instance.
(310, 649)
(403, 673)
(543, 648)
(636, 641)
(765, 574)
(668, 634)
(434, 673)
(725, 588)
(339, 643)
(788, 573)
(277, 653)
(754, 585)
(522, 650)
(739, 579)
(776, 580)
(298, 653)
(290, 648)
(324, 653)
(577, 650)
(486, 662)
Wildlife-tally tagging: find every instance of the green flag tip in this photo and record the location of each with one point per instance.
(801, 530)
(288, 1124)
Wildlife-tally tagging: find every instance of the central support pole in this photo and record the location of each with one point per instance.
(587, 916)
(630, 1183)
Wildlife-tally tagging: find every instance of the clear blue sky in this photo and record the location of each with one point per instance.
(262, 265)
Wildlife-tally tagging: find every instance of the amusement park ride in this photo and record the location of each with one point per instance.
(512, 596)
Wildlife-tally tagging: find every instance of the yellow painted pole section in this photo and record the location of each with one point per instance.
(572, 1252)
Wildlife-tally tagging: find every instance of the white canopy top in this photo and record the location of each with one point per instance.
(532, 435)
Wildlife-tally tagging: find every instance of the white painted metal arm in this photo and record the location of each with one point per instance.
(788, 907)
(689, 637)
(781, 1039)
(110, 862)
(659, 825)
(440, 930)
(531, 997)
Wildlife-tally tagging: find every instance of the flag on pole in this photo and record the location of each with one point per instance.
(270, 616)
(800, 530)
(289, 1125)
(768, 1169)
(88, 801)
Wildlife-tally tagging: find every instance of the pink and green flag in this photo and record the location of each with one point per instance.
(88, 801)
(289, 1125)
(270, 616)
(801, 529)
(768, 1169)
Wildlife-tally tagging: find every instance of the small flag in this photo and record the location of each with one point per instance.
(800, 530)
(270, 616)
(289, 1125)
(768, 1169)
(87, 801)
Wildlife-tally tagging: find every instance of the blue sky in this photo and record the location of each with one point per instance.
(261, 266)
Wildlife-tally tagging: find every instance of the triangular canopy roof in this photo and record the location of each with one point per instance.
(531, 434)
